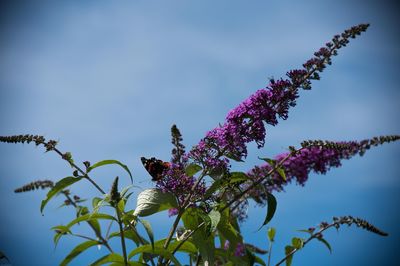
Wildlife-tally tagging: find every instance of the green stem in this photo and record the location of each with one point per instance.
(238, 196)
(269, 253)
(184, 205)
(102, 240)
(235, 199)
(198, 260)
(86, 237)
(181, 210)
(314, 235)
(140, 240)
(84, 174)
(121, 229)
(187, 237)
(109, 229)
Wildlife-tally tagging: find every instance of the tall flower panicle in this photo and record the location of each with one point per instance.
(361, 223)
(38, 140)
(246, 122)
(42, 184)
(179, 149)
(314, 156)
(174, 178)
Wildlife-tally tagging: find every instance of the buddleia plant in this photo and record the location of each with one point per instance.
(205, 196)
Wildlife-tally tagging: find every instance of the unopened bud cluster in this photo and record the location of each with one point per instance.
(49, 145)
(349, 220)
(115, 196)
(42, 184)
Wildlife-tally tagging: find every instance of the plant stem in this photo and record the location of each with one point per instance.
(121, 229)
(84, 174)
(102, 240)
(269, 253)
(181, 210)
(187, 237)
(198, 260)
(140, 240)
(85, 237)
(231, 202)
(256, 183)
(109, 229)
(314, 235)
(184, 205)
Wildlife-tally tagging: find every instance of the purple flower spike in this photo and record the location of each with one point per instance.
(315, 156)
(176, 181)
(246, 122)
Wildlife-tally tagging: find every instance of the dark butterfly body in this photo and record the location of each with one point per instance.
(155, 167)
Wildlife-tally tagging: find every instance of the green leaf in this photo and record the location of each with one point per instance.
(106, 162)
(121, 206)
(96, 201)
(271, 200)
(249, 257)
(288, 250)
(78, 250)
(297, 242)
(96, 227)
(271, 234)
(216, 185)
(128, 218)
(112, 257)
(127, 196)
(130, 263)
(157, 251)
(153, 200)
(234, 157)
(281, 172)
(227, 230)
(60, 230)
(192, 169)
(259, 260)
(187, 246)
(149, 231)
(203, 217)
(89, 217)
(306, 231)
(326, 243)
(81, 210)
(271, 162)
(125, 190)
(129, 234)
(215, 217)
(238, 177)
(58, 187)
(192, 218)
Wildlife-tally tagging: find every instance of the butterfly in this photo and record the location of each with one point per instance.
(155, 167)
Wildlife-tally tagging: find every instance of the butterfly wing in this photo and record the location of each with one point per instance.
(155, 167)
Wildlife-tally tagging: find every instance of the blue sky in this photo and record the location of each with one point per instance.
(108, 79)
